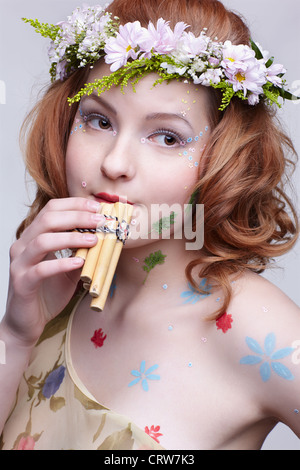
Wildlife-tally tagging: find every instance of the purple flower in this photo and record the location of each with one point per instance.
(161, 39)
(124, 46)
(235, 58)
(193, 46)
(252, 78)
(53, 382)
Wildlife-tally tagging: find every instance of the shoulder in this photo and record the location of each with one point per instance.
(257, 303)
(263, 315)
(264, 348)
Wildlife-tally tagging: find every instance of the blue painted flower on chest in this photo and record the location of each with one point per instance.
(192, 295)
(268, 358)
(144, 375)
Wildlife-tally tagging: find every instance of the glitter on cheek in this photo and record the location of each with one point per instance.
(143, 140)
(83, 184)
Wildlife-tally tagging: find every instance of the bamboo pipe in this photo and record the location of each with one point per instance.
(98, 303)
(94, 252)
(106, 252)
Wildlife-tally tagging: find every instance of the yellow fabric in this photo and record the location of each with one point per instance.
(55, 411)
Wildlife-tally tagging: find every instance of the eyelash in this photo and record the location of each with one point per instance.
(87, 117)
(180, 139)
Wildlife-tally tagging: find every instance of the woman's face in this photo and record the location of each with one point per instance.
(143, 146)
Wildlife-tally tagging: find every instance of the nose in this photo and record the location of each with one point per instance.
(119, 161)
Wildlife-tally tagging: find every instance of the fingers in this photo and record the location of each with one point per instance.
(60, 215)
(46, 243)
(46, 269)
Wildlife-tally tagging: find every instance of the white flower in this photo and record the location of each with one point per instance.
(210, 76)
(272, 74)
(250, 77)
(236, 57)
(253, 99)
(158, 39)
(124, 46)
(194, 46)
(173, 69)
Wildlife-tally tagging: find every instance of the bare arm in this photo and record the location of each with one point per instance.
(40, 285)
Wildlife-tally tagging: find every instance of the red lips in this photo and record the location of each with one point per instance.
(111, 198)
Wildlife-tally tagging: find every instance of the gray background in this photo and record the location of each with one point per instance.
(24, 73)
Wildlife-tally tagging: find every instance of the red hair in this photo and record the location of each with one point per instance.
(248, 217)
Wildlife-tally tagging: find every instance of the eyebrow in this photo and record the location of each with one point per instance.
(100, 100)
(149, 117)
(165, 116)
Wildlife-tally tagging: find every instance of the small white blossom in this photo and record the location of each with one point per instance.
(211, 76)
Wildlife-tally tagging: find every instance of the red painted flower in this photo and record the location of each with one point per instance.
(153, 432)
(224, 322)
(98, 338)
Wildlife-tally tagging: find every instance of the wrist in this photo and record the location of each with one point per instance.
(10, 341)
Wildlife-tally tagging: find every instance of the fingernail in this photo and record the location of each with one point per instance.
(94, 205)
(90, 237)
(77, 261)
(98, 218)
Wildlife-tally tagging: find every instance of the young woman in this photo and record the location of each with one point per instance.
(193, 349)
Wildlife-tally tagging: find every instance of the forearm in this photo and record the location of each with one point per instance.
(14, 360)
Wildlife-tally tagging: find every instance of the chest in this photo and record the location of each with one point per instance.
(166, 372)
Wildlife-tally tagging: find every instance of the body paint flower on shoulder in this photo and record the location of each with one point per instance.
(268, 358)
(224, 322)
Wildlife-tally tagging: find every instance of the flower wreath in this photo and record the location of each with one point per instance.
(90, 33)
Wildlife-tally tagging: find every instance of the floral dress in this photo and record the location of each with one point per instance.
(54, 410)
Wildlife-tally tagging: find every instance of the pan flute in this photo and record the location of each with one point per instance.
(101, 260)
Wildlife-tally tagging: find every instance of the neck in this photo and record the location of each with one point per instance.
(158, 266)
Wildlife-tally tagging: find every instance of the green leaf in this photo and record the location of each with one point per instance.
(45, 29)
(164, 223)
(287, 95)
(153, 260)
(258, 53)
(270, 62)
